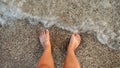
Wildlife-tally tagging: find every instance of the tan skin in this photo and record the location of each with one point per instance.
(46, 60)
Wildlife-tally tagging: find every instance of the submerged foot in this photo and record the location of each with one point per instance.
(45, 39)
(74, 41)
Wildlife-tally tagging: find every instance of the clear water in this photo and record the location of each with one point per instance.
(103, 31)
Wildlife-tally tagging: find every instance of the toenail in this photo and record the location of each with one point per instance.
(46, 30)
(75, 34)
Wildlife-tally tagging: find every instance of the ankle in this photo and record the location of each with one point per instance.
(47, 48)
(70, 50)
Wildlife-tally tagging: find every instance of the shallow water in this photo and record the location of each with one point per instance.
(100, 18)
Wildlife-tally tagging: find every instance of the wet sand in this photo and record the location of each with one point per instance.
(20, 47)
(19, 43)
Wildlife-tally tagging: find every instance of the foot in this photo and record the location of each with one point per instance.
(45, 39)
(74, 41)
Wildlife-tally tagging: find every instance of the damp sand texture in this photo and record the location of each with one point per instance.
(96, 21)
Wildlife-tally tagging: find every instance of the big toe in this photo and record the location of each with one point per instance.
(77, 36)
(78, 39)
(47, 32)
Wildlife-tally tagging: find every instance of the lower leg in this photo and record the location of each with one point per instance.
(46, 60)
(71, 60)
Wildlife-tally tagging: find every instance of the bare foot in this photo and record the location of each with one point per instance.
(74, 41)
(45, 39)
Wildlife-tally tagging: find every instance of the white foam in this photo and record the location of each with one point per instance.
(70, 28)
(20, 4)
(2, 21)
(105, 4)
(48, 21)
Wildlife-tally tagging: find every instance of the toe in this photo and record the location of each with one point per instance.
(72, 36)
(44, 33)
(77, 35)
(78, 38)
(41, 34)
(47, 31)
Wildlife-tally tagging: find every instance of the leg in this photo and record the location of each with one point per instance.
(71, 60)
(46, 60)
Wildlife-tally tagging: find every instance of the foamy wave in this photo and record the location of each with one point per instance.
(104, 33)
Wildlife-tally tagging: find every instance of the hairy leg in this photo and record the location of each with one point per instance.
(46, 60)
(71, 60)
